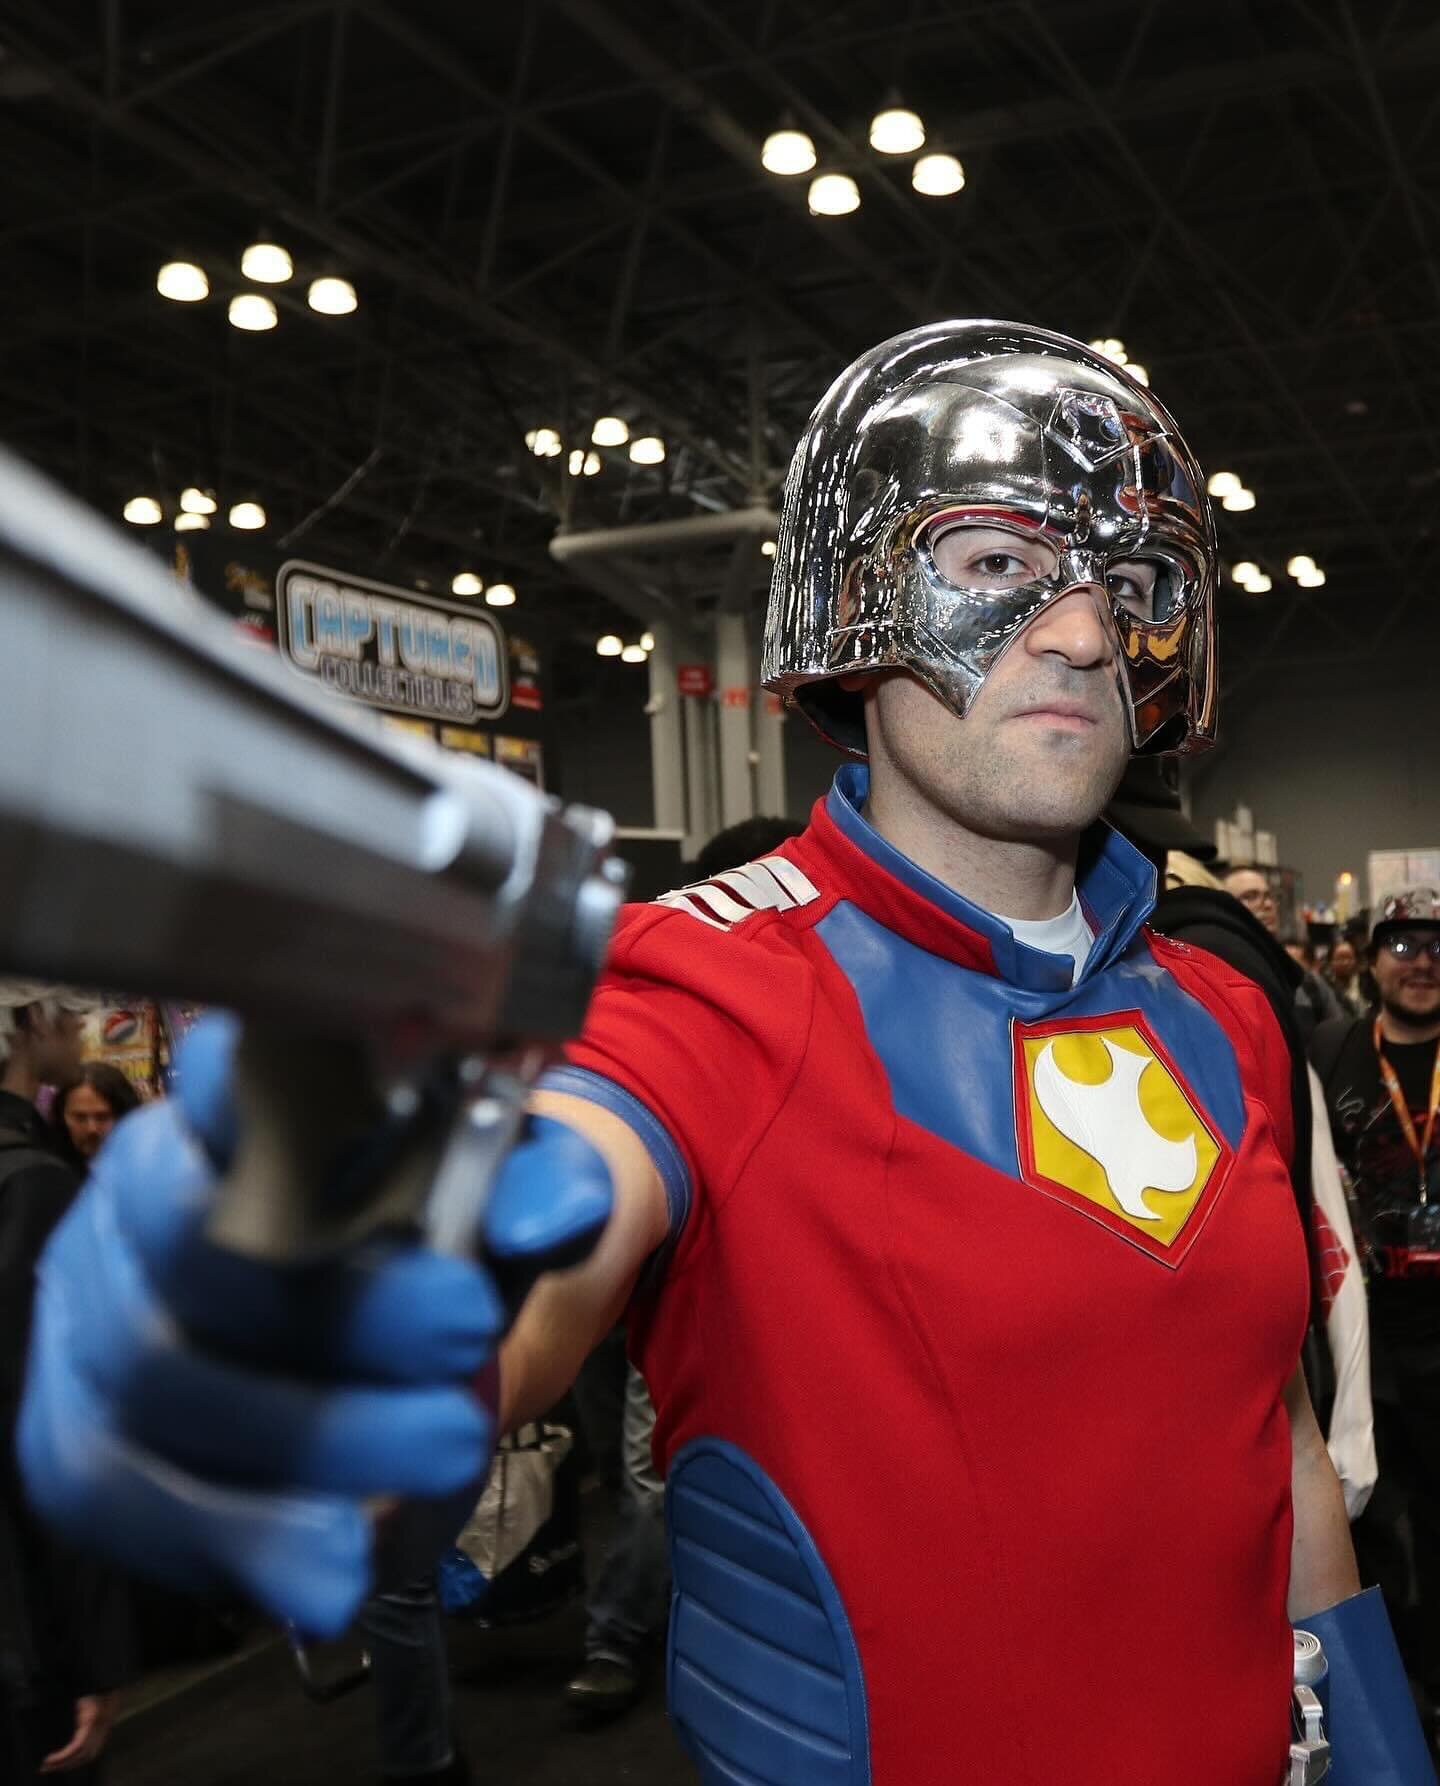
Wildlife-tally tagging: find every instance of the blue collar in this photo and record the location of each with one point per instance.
(1115, 882)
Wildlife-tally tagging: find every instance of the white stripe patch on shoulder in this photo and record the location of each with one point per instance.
(772, 884)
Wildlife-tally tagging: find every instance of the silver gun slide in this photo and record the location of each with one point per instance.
(180, 817)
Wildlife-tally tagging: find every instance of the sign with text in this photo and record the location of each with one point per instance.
(416, 655)
(694, 679)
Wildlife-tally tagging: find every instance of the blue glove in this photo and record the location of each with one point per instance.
(1375, 1736)
(222, 1423)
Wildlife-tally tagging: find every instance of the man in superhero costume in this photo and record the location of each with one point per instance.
(950, 1206)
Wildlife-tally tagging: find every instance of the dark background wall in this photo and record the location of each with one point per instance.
(1334, 766)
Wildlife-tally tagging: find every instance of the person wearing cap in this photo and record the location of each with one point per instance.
(951, 1204)
(1381, 1074)
(64, 1629)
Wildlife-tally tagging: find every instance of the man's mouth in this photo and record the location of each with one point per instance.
(1060, 711)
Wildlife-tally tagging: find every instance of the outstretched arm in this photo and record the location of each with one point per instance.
(568, 1313)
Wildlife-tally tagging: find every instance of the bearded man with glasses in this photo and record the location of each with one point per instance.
(1381, 1074)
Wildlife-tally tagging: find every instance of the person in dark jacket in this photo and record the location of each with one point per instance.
(64, 1637)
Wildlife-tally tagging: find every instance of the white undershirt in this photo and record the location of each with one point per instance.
(1068, 934)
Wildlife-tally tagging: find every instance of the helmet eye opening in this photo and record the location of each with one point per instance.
(1150, 588)
(977, 551)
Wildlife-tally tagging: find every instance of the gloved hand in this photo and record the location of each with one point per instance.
(220, 1422)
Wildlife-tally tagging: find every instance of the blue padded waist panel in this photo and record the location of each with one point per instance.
(763, 1674)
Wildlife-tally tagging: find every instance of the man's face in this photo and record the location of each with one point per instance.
(1408, 975)
(1046, 739)
(1252, 889)
(89, 1119)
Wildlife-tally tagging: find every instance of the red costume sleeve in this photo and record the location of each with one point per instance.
(707, 1029)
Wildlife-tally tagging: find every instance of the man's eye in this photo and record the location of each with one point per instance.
(1134, 590)
(1001, 564)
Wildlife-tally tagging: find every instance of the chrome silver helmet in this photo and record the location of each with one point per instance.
(1020, 429)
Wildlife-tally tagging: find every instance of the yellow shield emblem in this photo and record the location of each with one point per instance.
(1106, 1123)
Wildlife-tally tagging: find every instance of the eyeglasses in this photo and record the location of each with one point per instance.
(1411, 948)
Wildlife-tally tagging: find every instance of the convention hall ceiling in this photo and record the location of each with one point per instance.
(556, 210)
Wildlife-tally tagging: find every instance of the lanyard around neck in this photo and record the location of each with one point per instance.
(1419, 1144)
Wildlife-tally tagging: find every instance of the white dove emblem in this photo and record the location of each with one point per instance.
(1107, 1122)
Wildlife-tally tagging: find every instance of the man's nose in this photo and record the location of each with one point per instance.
(1076, 626)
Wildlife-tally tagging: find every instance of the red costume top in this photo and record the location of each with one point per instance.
(969, 1348)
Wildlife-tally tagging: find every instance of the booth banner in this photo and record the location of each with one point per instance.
(522, 756)
(442, 669)
(421, 656)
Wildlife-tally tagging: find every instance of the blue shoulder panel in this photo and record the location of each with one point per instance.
(942, 1031)
(764, 1678)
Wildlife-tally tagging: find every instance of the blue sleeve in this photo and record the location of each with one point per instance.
(665, 1155)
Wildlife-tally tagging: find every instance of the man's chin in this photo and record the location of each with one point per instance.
(1421, 1014)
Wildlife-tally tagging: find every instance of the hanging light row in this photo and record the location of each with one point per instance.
(497, 595)
(266, 263)
(194, 513)
(612, 645)
(1114, 349)
(894, 131)
(1255, 581)
(608, 431)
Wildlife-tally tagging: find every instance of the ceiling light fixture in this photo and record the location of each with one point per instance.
(545, 443)
(1311, 579)
(833, 195)
(767, 548)
(331, 296)
(649, 449)
(576, 462)
(593, 463)
(1223, 483)
(185, 522)
(937, 176)
(182, 282)
(1112, 347)
(501, 595)
(142, 511)
(647, 642)
(1239, 501)
(1299, 565)
(466, 583)
(249, 517)
(1245, 571)
(267, 263)
(787, 152)
(610, 430)
(633, 654)
(609, 645)
(1259, 585)
(252, 312)
(195, 501)
(897, 131)
(1138, 372)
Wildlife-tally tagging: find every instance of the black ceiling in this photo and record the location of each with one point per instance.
(556, 209)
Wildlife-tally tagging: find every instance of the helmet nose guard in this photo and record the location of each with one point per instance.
(1010, 425)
